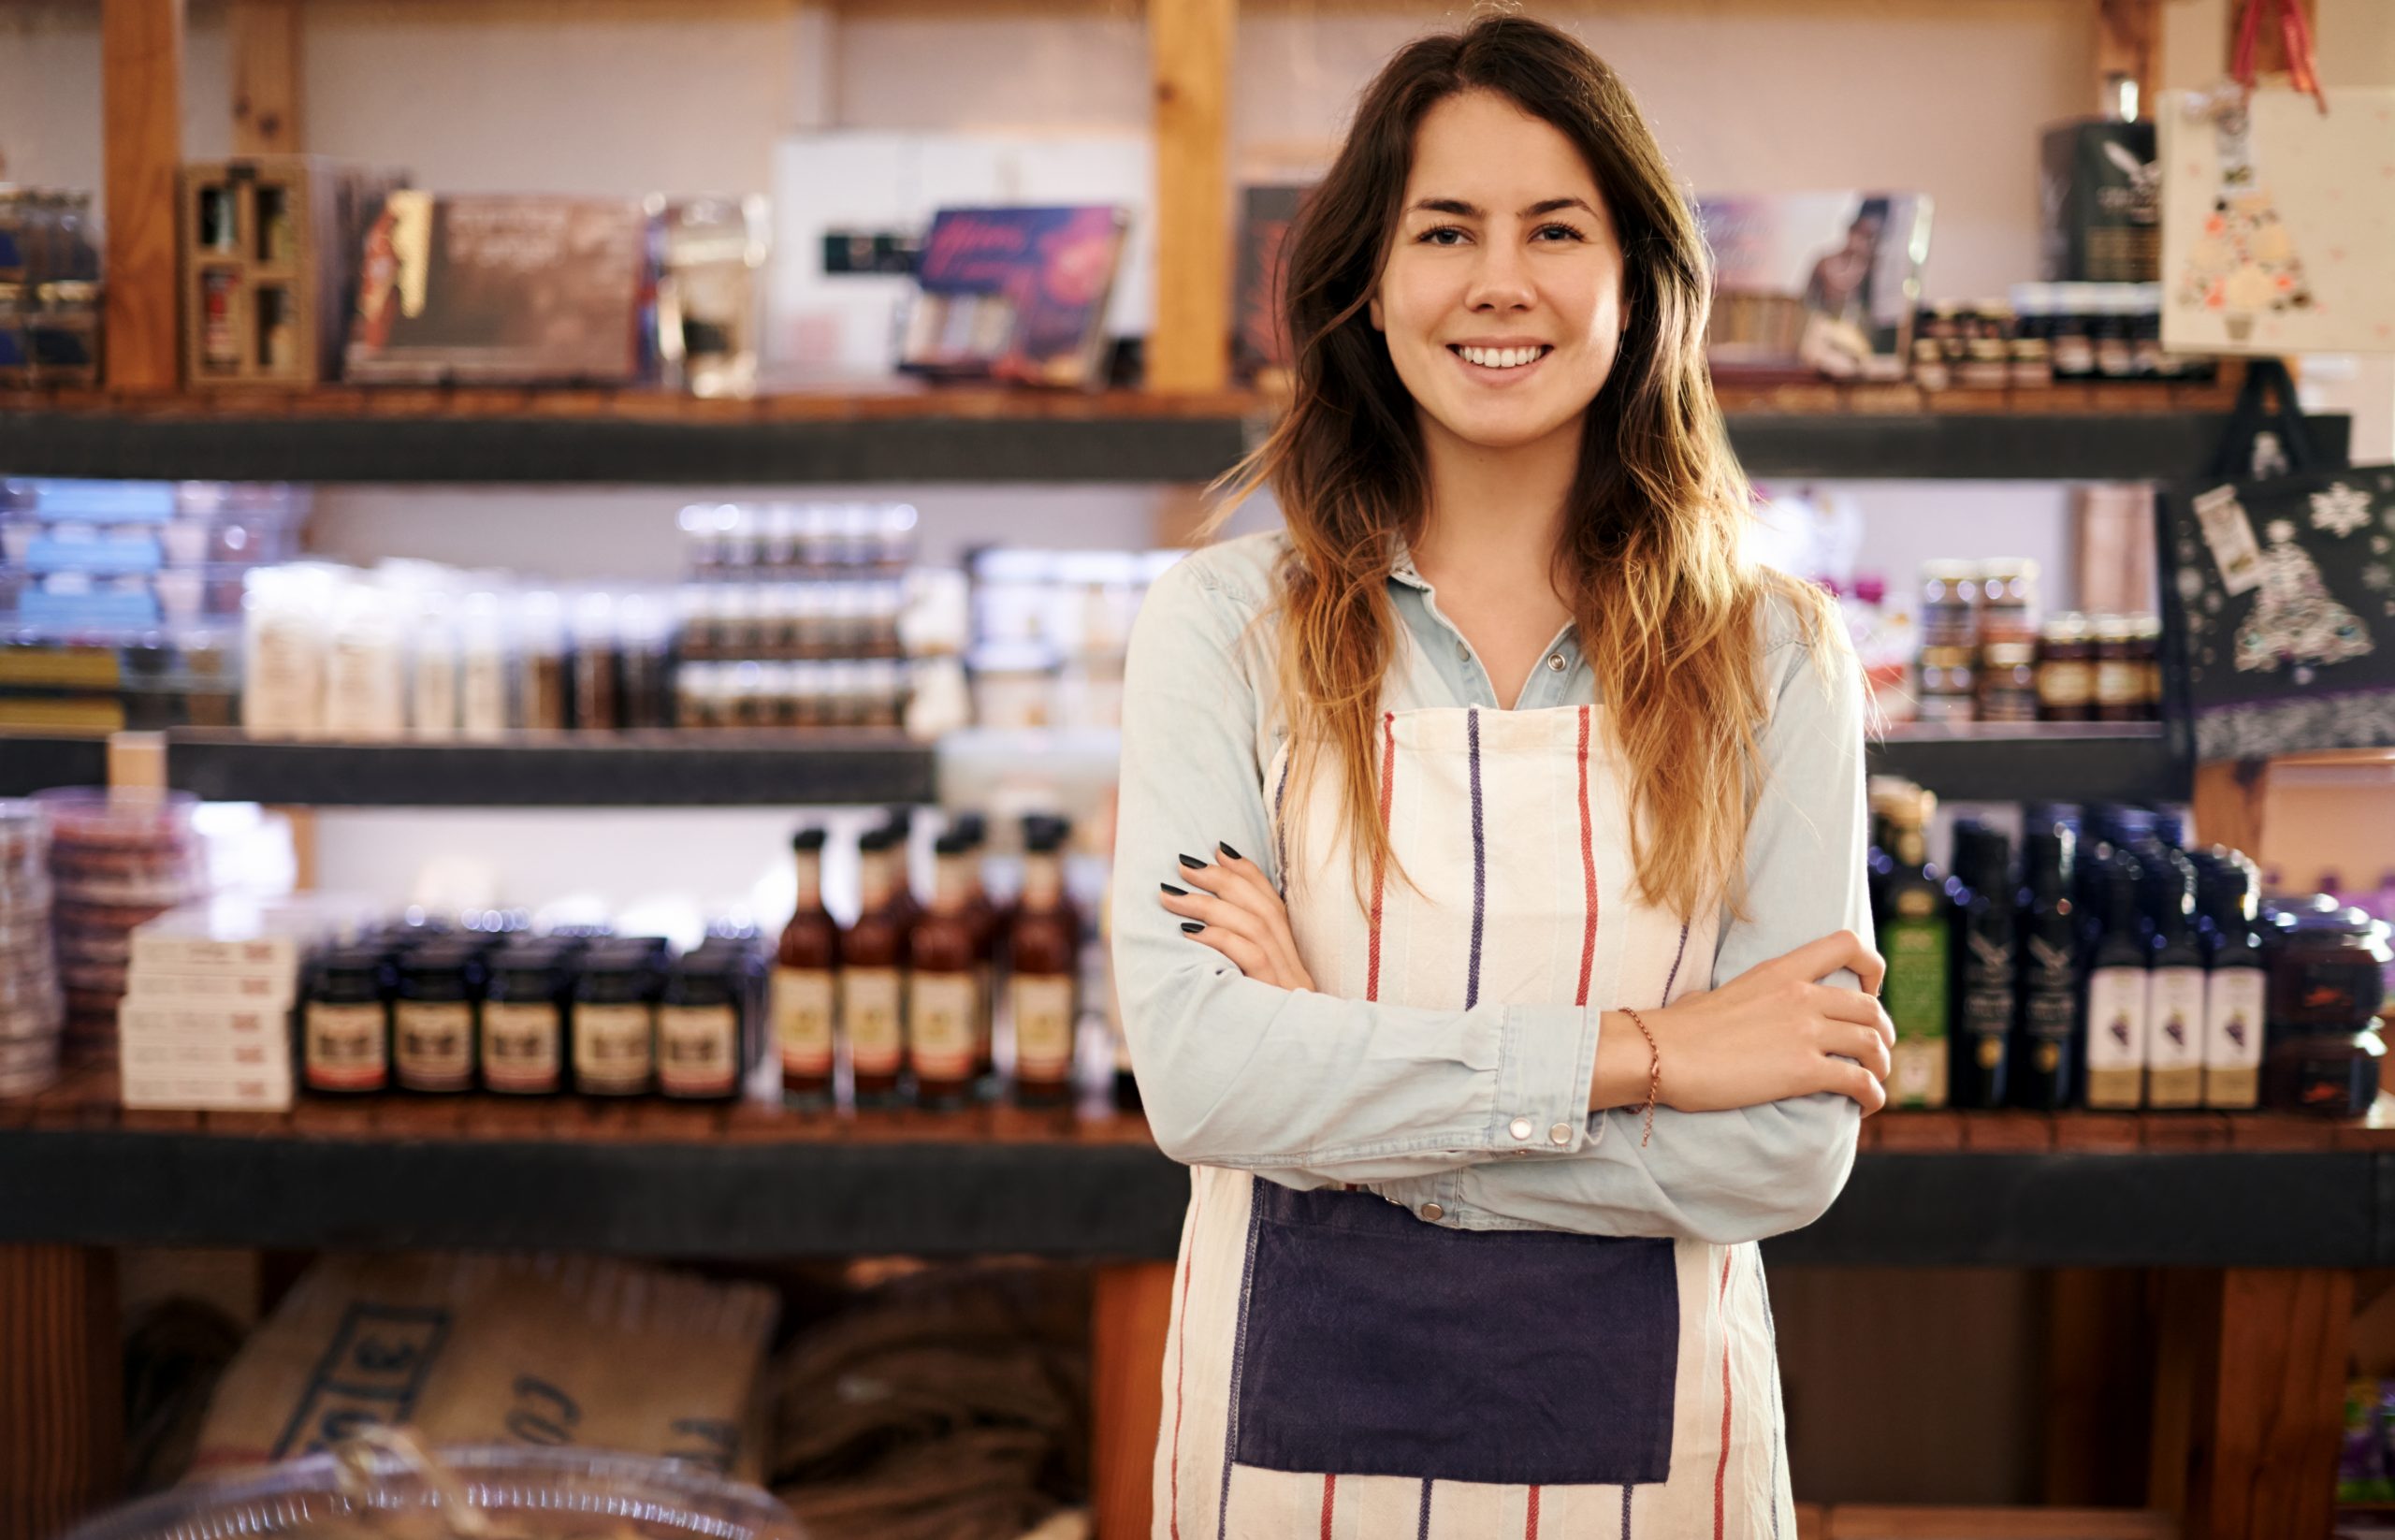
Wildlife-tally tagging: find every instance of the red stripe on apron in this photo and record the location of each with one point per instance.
(1721, 1470)
(1329, 1502)
(1588, 873)
(1529, 1529)
(1380, 873)
(1181, 1360)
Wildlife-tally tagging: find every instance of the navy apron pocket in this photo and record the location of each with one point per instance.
(1376, 1345)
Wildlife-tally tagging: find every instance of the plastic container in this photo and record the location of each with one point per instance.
(534, 1493)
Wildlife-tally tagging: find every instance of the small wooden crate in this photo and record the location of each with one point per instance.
(270, 250)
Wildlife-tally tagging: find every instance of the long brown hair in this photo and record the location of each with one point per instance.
(1666, 611)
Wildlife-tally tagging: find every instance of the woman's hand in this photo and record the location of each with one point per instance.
(1774, 1031)
(1238, 913)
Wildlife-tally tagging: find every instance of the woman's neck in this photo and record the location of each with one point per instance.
(1495, 516)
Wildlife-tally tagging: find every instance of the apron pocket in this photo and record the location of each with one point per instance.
(1376, 1345)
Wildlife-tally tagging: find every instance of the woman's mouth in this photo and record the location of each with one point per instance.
(1495, 364)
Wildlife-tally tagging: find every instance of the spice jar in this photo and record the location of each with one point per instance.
(2008, 682)
(615, 1020)
(2066, 670)
(526, 1016)
(434, 1017)
(700, 1035)
(2120, 676)
(344, 1023)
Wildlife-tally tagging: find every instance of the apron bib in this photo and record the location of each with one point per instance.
(1339, 1367)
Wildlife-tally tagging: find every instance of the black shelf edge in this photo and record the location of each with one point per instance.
(1032, 447)
(2036, 765)
(611, 770)
(29, 762)
(798, 1199)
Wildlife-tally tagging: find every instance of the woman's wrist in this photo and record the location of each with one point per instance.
(1625, 1066)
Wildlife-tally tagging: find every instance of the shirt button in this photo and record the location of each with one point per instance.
(1463, 651)
(1555, 661)
(1560, 1134)
(1432, 1212)
(1519, 1127)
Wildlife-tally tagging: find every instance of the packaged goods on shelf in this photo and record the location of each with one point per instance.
(2099, 195)
(270, 250)
(2044, 334)
(1050, 629)
(1259, 330)
(1015, 293)
(708, 308)
(50, 289)
(32, 1008)
(117, 859)
(1812, 283)
(1986, 654)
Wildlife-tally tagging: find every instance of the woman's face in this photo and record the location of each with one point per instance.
(1501, 298)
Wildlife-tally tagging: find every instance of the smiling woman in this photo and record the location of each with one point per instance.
(1532, 1003)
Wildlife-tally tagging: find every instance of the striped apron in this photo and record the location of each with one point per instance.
(1340, 1368)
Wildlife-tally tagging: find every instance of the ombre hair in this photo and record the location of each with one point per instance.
(1665, 607)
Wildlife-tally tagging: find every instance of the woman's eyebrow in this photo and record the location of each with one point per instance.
(1473, 211)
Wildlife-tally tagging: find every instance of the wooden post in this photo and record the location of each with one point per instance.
(2128, 43)
(1130, 1316)
(141, 108)
(61, 1388)
(266, 76)
(1189, 47)
(2249, 1401)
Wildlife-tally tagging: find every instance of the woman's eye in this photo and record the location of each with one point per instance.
(1566, 231)
(1437, 234)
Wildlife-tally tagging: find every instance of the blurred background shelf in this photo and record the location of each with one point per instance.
(30, 761)
(2045, 762)
(983, 437)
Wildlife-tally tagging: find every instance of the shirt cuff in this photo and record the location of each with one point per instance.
(1550, 1058)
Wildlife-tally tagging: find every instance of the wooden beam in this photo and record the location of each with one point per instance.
(1189, 47)
(1130, 1316)
(62, 1387)
(2129, 42)
(141, 107)
(266, 76)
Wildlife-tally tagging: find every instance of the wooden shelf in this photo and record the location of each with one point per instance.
(347, 434)
(30, 761)
(2071, 1189)
(2041, 761)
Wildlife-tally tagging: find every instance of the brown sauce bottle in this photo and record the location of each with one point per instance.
(943, 989)
(873, 973)
(1044, 956)
(805, 991)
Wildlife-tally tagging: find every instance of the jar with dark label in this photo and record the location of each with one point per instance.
(615, 1021)
(2120, 674)
(2008, 682)
(700, 1035)
(2008, 600)
(2032, 336)
(2146, 643)
(435, 1016)
(1948, 616)
(2326, 965)
(2066, 670)
(2070, 333)
(345, 1024)
(1948, 684)
(526, 1017)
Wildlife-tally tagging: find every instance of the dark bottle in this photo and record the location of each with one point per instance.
(943, 998)
(701, 1046)
(1986, 963)
(614, 1019)
(1043, 948)
(804, 992)
(525, 1017)
(987, 927)
(2174, 981)
(873, 974)
(2046, 1052)
(2114, 1011)
(345, 1025)
(434, 1018)
(2236, 983)
(1916, 927)
(900, 827)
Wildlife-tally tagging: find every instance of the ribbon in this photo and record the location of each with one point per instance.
(2295, 40)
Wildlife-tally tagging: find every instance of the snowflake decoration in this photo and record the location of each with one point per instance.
(2341, 509)
(2380, 545)
(2213, 602)
(2375, 577)
(2191, 584)
(2281, 530)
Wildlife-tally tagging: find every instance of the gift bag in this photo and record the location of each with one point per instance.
(2281, 596)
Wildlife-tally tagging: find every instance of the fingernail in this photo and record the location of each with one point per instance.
(1177, 893)
(1191, 928)
(1228, 850)
(1193, 863)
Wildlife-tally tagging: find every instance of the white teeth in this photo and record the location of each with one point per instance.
(1506, 358)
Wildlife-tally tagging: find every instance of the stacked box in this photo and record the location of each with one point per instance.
(270, 250)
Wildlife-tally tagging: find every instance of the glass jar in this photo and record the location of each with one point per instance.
(2008, 600)
(435, 1016)
(344, 1023)
(526, 1018)
(2120, 676)
(1947, 679)
(2066, 670)
(2325, 964)
(701, 1033)
(2328, 1074)
(2145, 649)
(2072, 335)
(1948, 617)
(2008, 682)
(615, 1020)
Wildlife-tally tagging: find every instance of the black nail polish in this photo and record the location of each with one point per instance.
(1228, 850)
(1193, 863)
(1191, 928)
(1177, 893)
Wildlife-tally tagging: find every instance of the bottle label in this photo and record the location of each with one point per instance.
(2234, 1016)
(2116, 1001)
(483, 700)
(2065, 682)
(612, 1047)
(1915, 995)
(520, 1049)
(870, 1007)
(698, 1049)
(802, 999)
(434, 1044)
(2175, 1043)
(1043, 1029)
(345, 1050)
(943, 1036)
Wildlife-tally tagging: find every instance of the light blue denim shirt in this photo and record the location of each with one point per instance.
(1306, 1089)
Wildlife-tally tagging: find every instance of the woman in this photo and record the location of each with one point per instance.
(1507, 825)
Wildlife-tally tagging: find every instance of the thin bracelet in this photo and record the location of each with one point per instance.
(1654, 1073)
